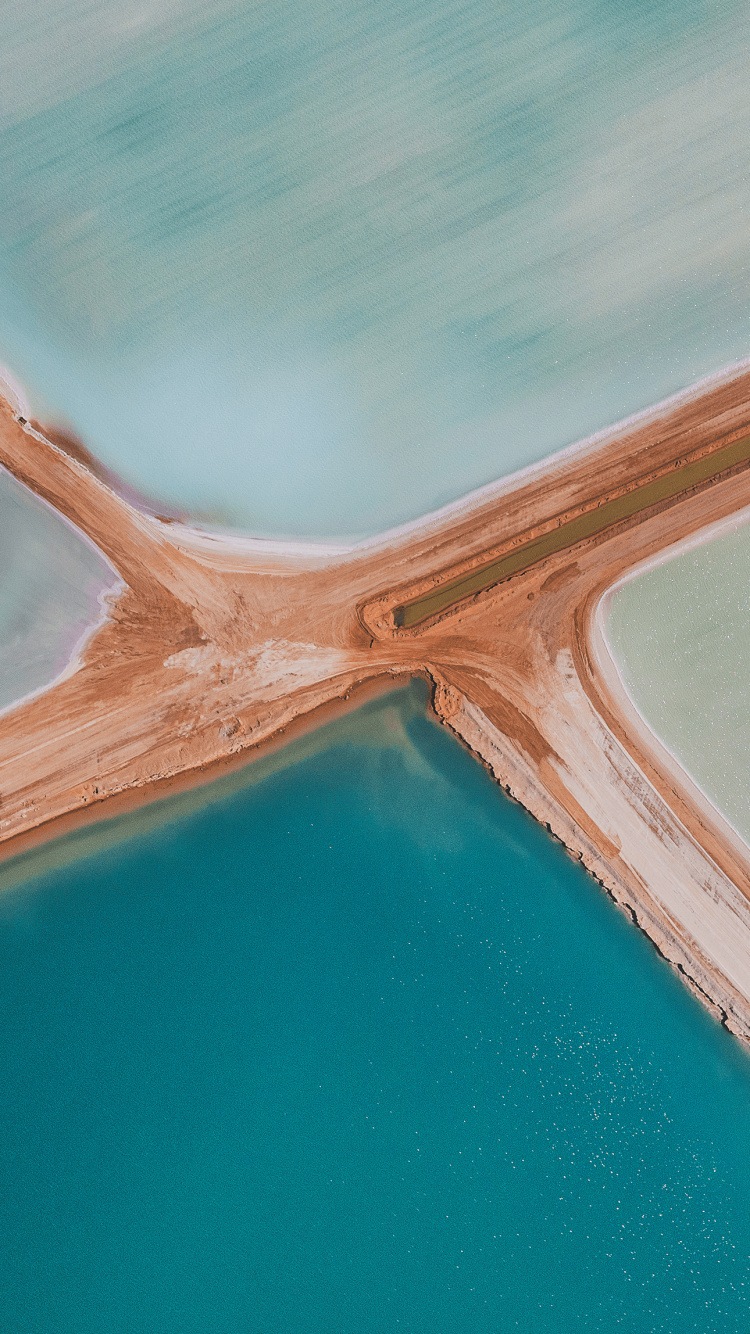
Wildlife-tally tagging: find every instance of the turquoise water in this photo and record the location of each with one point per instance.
(317, 270)
(350, 1044)
(680, 634)
(51, 583)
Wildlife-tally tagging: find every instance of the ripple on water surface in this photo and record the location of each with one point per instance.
(348, 1043)
(317, 269)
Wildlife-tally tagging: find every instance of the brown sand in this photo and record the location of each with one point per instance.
(217, 650)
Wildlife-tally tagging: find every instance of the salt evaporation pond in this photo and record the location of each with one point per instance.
(315, 270)
(349, 1043)
(52, 581)
(680, 633)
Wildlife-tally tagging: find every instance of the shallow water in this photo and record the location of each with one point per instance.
(51, 583)
(680, 634)
(319, 272)
(350, 1044)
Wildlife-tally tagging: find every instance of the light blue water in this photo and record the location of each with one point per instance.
(51, 582)
(356, 1048)
(317, 269)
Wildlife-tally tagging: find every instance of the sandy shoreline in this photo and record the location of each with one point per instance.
(245, 543)
(221, 648)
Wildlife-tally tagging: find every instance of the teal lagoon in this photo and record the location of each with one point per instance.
(348, 1043)
(317, 272)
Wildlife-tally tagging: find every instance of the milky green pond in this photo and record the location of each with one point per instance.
(680, 634)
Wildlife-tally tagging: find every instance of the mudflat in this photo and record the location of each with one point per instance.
(219, 648)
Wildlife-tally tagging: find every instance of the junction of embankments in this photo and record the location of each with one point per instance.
(220, 647)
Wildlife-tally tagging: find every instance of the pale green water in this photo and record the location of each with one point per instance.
(51, 581)
(681, 637)
(356, 1049)
(317, 269)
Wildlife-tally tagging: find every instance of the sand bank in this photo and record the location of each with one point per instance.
(217, 649)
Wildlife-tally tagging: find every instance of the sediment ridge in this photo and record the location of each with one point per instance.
(217, 650)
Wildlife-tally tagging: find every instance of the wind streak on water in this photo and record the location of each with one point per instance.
(316, 271)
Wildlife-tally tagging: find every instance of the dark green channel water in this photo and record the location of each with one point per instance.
(348, 1045)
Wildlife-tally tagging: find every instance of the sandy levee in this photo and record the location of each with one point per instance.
(218, 648)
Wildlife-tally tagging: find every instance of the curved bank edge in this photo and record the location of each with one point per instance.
(693, 913)
(633, 721)
(612, 810)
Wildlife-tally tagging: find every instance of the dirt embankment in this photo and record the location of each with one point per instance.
(216, 651)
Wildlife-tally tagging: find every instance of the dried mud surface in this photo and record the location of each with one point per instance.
(218, 649)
